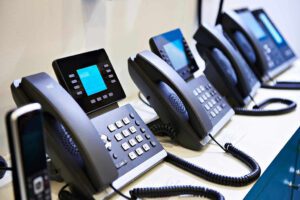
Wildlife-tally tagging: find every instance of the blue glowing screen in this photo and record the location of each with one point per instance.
(253, 25)
(176, 53)
(276, 36)
(91, 79)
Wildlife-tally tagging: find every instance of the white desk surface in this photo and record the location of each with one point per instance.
(260, 137)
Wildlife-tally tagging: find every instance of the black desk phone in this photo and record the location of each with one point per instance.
(230, 73)
(90, 151)
(174, 50)
(261, 44)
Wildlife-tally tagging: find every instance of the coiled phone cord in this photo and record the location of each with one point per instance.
(161, 128)
(283, 85)
(259, 111)
(217, 178)
(155, 192)
(168, 191)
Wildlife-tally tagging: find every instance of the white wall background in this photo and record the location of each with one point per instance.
(35, 32)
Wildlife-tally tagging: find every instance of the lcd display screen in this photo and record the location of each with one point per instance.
(91, 79)
(249, 19)
(274, 33)
(32, 143)
(176, 54)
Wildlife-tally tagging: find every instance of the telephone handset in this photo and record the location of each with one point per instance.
(260, 43)
(58, 104)
(230, 73)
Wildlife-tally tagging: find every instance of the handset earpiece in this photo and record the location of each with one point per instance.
(244, 46)
(224, 62)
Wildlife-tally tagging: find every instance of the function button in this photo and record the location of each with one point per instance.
(146, 147)
(147, 136)
(115, 156)
(110, 76)
(118, 137)
(108, 147)
(105, 96)
(213, 102)
(71, 75)
(76, 87)
(113, 81)
(143, 130)
(132, 142)
(139, 151)
(106, 65)
(79, 93)
(132, 155)
(119, 124)
(212, 113)
(219, 108)
(99, 98)
(108, 70)
(132, 129)
(153, 143)
(139, 138)
(206, 107)
(202, 88)
(125, 146)
(195, 92)
(207, 94)
(216, 111)
(201, 99)
(137, 123)
(93, 101)
(110, 94)
(111, 127)
(121, 164)
(198, 90)
(131, 115)
(74, 81)
(125, 120)
(125, 133)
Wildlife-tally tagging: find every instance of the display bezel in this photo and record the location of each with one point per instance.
(257, 14)
(158, 44)
(64, 67)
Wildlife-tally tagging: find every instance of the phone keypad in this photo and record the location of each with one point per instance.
(38, 186)
(131, 141)
(210, 99)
